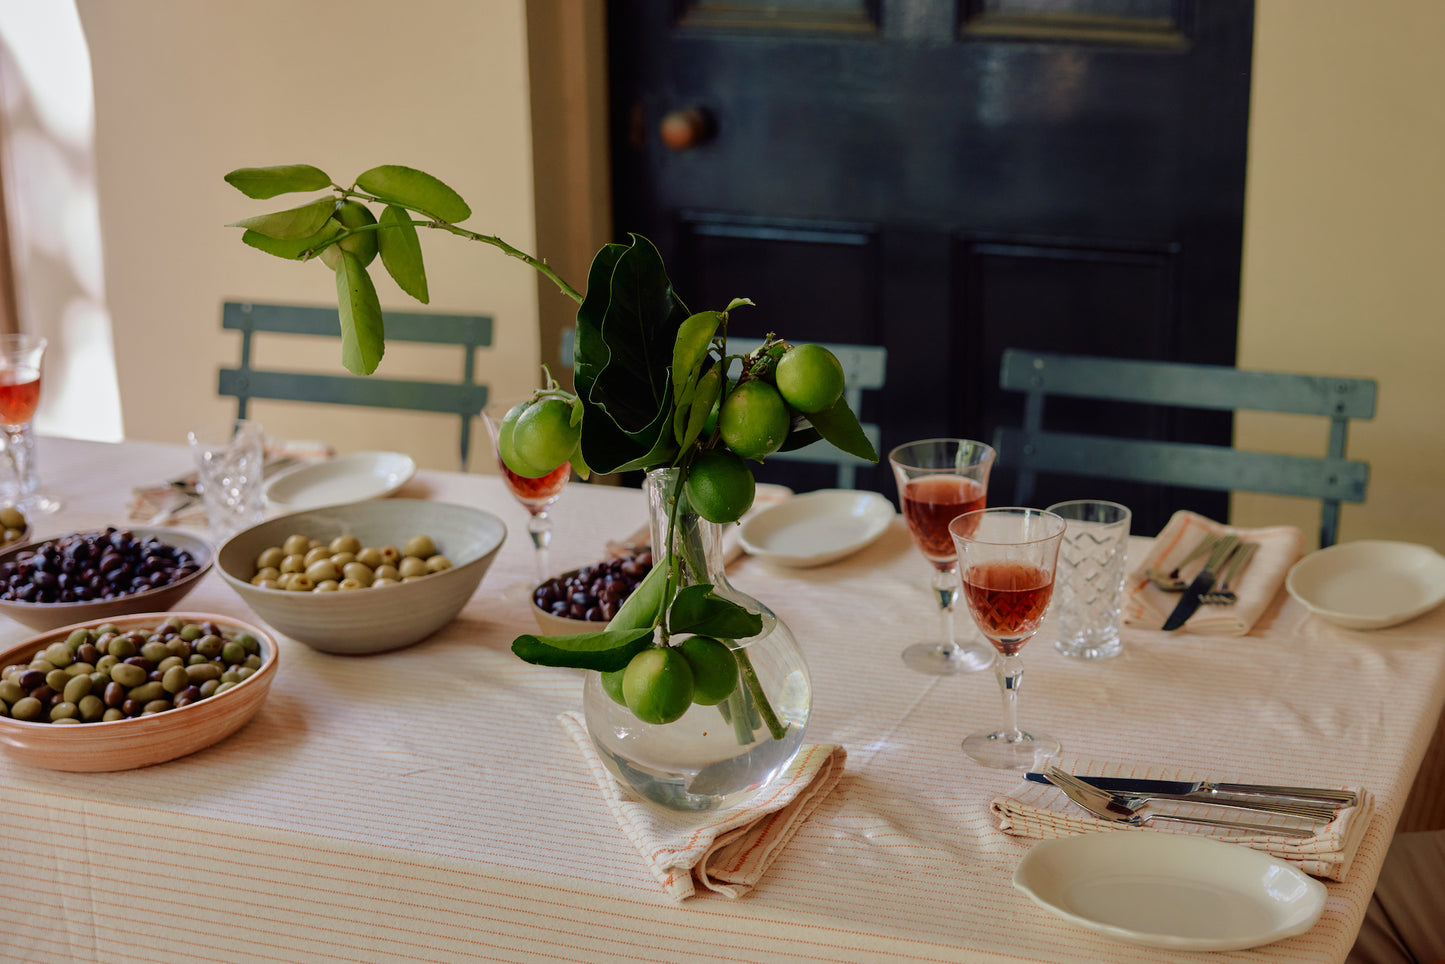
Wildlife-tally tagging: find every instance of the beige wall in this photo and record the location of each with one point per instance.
(1343, 251)
(187, 91)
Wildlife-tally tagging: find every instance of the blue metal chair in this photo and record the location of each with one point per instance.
(1032, 449)
(465, 399)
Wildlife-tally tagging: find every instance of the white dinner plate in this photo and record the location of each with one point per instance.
(1369, 584)
(1182, 892)
(817, 527)
(346, 478)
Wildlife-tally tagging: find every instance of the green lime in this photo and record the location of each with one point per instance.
(719, 486)
(714, 669)
(506, 447)
(352, 214)
(658, 685)
(544, 436)
(809, 377)
(753, 420)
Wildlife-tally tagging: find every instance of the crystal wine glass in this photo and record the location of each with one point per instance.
(536, 495)
(1008, 557)
(938, 480)
(20, 357)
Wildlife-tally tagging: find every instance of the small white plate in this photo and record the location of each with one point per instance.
(1369, 584)
(817, 527)
(1182, 892)
(346, 478)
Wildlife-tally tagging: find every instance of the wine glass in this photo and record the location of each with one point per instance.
(536, 495)
(1008, 557)
(938, 480)
(20, 357)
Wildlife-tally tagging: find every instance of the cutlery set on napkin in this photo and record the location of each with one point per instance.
(1318, 829)
(1217, 578)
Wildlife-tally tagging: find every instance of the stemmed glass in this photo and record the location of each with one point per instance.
(536, 495)
(938, 480)
(1008, 557)
(20, 357)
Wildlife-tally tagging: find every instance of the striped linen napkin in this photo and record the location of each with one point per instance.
(725, 851)
(1146, 606)
(1043, 811)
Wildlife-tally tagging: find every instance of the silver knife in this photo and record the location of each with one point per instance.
(1202, 583)
(1203, 790)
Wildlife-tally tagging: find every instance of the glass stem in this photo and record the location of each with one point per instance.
(1010, 670)
(539, 527)
(945, 586)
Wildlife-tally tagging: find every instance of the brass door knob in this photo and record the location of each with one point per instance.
(685, 127)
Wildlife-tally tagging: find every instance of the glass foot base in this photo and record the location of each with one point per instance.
(1105, 649)
(37, 504)
(936, 660)
(995, 749)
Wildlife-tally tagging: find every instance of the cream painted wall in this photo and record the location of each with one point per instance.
(1342, 250)
(187, 91)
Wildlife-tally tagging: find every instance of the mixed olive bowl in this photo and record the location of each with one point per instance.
(41, 616)
(376, 618)
(137, 741)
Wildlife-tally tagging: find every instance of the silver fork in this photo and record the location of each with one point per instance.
(1170, 581)
(1223, 592)
(1107, 806)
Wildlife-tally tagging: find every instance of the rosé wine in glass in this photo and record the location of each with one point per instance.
(535, 494)
(1008, 557)
(20, 360)
(19, 396)
(938, 480)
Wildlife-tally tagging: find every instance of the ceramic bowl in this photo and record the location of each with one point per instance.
(379, 618)
(552, 624)
(143, 740)
(1371, 584)
(42, 616)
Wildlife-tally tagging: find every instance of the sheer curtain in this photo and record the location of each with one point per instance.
(48, 111)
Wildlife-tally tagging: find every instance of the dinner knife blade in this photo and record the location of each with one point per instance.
(1202, 584)
(1143, 786)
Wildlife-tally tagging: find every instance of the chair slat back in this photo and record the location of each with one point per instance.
(465, 398)
(1332, 479)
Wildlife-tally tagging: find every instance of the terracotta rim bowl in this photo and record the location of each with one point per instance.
(44, 616)
(374, 619)
(143, 740)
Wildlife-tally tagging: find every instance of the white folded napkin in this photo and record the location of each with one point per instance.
(1043, 811)
(1146, 606)
(725, 851)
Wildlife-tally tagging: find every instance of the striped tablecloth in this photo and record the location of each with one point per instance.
(425, 805)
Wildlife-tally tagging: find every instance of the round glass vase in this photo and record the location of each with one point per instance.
(712, 757)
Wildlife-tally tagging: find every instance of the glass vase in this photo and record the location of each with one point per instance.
(719, 756)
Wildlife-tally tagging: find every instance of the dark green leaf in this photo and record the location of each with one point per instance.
(293, 250)
(608, 650)
(294, 224)
(696, 609)
(626, 329)
(266, 182)
(401, 252)
(415, 189)
(362, 337)
(799, 438)
(839, 426)
(708, 388)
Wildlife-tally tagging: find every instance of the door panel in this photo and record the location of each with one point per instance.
(949, 179)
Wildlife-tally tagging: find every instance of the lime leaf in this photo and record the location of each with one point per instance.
(293, 250)
(415, 189)
(696, 609)
(708, 388)
(694, 337)
(839, 427)
(607, 650)
(401, 252)
(363, 338)
(266, 182)
(293, 224)
(643, 608)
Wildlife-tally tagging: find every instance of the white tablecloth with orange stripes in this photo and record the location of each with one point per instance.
(425, 805)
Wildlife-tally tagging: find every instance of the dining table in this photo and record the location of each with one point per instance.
(427, 804)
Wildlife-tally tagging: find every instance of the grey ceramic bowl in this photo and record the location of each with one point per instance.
(379, 618)
(42, 616)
